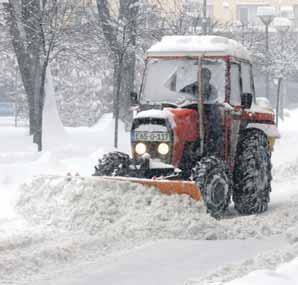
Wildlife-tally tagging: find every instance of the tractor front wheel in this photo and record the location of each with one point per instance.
(213, 179)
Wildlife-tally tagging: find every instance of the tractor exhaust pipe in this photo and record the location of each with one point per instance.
(200, 106)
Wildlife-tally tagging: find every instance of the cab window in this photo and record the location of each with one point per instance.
(246, 76)
(235, 85)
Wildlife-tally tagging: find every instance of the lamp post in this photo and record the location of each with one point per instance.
(205, 17)
(282, 25)
(266, 15)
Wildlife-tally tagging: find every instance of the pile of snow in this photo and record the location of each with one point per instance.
(131, 211)
(114, 209)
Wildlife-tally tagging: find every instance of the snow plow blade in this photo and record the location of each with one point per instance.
(165, 186)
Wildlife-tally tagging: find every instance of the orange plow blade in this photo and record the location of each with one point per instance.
(165, 186)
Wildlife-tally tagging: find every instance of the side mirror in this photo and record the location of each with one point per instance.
(134, 98)
(246, 100)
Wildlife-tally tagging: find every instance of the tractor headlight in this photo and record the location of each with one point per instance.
(163, 148)
(140, 148)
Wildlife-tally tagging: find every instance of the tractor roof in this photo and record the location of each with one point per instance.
(198, 46)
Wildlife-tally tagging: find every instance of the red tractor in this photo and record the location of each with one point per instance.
(200, 130)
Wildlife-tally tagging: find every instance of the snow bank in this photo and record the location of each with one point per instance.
(263, 269)
(285, 274)
(127, 210)
(117, 210)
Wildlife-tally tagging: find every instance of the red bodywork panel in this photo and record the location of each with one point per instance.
(257, 117)
(186, 130)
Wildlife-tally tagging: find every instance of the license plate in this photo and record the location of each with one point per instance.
(152, 136)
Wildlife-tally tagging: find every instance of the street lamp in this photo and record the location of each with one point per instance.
(282, 25)
(266, 15)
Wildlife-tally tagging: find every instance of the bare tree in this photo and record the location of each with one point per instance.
(119, 27)
(35, 27)
(184, 17)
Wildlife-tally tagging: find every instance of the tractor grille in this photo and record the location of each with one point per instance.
(153, 125)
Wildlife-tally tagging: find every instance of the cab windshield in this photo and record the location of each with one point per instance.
(176, 81)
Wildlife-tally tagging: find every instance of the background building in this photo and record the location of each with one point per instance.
(245, 11)
(227, 11)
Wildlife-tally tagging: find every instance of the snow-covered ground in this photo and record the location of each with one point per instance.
(69, 229)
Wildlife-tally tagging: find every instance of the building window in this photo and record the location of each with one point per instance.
(210, 10)
(243, 15)
(287, 12)
(195, 7)
(247, 14)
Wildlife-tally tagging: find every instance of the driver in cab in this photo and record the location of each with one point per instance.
(212, 113)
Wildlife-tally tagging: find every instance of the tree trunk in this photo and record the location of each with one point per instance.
(41, 97)
(117, 98)
(25, 21)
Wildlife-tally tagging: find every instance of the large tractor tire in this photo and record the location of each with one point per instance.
(113, 164)
(212, 177)
(252, 174)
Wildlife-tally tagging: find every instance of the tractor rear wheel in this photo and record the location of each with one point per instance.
(252, 174)
(113, 164)
(213, 179)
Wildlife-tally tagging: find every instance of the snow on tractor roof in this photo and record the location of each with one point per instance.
(197, 46)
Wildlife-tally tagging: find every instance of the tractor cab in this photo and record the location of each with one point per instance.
(172, 71)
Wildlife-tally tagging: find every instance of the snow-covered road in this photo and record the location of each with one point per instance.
(57, 230)
(166, 262)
